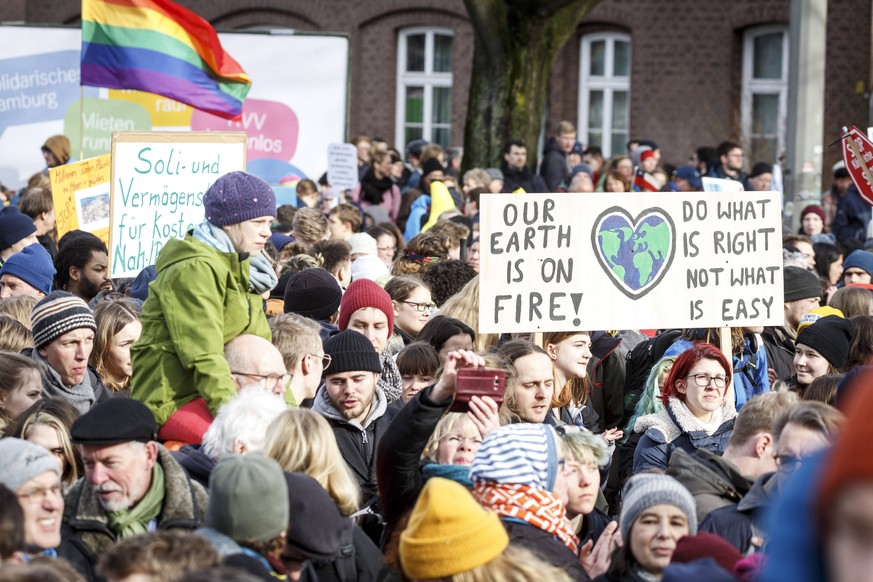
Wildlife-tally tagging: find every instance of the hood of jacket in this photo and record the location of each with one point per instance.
(707, 472)
(178, 250)
(760, 495)
(325, 407)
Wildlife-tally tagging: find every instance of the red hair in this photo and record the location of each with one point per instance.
(686, 361)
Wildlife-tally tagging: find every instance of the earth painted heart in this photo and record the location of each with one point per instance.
(636, 253)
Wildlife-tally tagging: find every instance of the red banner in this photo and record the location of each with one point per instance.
(858, 157)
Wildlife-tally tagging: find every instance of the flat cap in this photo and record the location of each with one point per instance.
(114, 421)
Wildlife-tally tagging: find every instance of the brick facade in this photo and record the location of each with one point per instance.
(686, 58)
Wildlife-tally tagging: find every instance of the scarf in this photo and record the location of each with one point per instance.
(537, 507)
(457, 473)
(262, 277)
(81, 395)
(134, 521)
(373, 189)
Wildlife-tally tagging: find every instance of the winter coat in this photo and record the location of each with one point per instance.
(629, 577)
(675, 427)
(852, 217)
(514, 179)
(779, 344)
(398, 462)
(357, 442)
(713, 481)
(81, 396)
(739, 524)
(554, 167)
(198, 303)
(196, 463)
(418, 213)
(607, 376)
(549, 548)
(390, 194)
(591, 525)
(85, 532)
(717, 171)
(358, 560)
(750, 371)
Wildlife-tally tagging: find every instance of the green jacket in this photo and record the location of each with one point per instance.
(198, 302)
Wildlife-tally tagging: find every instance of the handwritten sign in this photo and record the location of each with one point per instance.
(80, 192)
(562, 262)
(342, 165)
(158, 182)
(720, 185)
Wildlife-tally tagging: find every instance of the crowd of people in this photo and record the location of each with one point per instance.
(302, 393)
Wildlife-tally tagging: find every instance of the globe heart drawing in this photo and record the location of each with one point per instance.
(635, 253)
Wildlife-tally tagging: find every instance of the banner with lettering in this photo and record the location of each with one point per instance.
(560, 262)
(80, 192)
(157, 186)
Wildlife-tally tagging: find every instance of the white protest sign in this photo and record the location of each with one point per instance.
(721, 185)
(342, 165)
(561, 262)
(158, 182)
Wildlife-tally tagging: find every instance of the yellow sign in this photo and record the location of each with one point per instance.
(80, 192)
(165, 112)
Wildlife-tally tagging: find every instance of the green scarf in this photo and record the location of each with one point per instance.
(130, 522)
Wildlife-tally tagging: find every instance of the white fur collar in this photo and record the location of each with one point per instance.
(680, 419)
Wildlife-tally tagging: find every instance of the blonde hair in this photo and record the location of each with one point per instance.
(302, 441)
(442, 430)
(111, 317)
(19, 308)
(14, 335)
(310, 226)
(515, 564)
(295, 336)
(72, 463)
(464, 306)
(575, 389)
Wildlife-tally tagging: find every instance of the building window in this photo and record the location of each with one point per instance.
(604, 91)
(424, 86)
(764, 107)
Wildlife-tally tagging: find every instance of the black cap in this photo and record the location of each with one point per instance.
(114, 421)
(761, 168)
(830, 336)
(351, 351)
(431, 165)
(315, 527)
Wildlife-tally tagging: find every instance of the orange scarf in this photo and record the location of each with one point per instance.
(535, 506)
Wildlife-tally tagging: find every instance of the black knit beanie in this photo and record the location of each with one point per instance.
(313, 293)
(800, 284)
(351, 351)
(830, 336)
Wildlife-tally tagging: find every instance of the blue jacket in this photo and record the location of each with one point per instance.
(852, 217)
(420, 208)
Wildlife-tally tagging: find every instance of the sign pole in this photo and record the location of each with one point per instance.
(726, 347)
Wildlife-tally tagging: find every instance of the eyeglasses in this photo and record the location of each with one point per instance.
(325, 359)
(40, 494)
(269, 380)
(703, 380)
(421, 307)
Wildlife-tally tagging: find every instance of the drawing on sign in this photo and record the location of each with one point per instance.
(92, 207)
(634, 253)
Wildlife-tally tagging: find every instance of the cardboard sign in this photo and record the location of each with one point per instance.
(858, 157)
(720, 185)
(562, 262)
(80, 192)
(342, 165)
(158, 182)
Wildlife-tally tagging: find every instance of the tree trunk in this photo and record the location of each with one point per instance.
(516, 44)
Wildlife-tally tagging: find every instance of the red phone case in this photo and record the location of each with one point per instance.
(477, 382)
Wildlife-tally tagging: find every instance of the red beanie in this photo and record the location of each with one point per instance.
(813, 209)
(646, 155)
(365, 293)
(706, 545)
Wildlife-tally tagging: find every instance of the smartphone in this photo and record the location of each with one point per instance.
(477, 382)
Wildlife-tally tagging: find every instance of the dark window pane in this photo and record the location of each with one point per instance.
(597, 67)
(442, 105)
(768, 56)
(595, 109)
(442, 136)
(621, 65)
(415, 53)
(442, 53)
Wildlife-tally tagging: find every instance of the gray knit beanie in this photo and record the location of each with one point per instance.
(237, 197)
(21, 461)
(57, 313)
(647, 489)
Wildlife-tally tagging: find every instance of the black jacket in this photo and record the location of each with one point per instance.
(546, 546)
(713, 481)
(196, 463)
(741, 524)
(398, 462)
(852, 217)
(514, 179)
(554, 167)
(607, 375)
(780, 351)
(359, 560)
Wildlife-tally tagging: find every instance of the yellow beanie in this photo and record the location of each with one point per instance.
(449, 533)
(817, 314)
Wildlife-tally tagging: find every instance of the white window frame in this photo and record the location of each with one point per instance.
(427, 79)
(753, 86)
(608, 84)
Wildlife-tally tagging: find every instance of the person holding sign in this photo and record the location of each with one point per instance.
(208, 291)
(696, 414)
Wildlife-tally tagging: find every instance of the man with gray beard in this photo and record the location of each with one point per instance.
(132, 485)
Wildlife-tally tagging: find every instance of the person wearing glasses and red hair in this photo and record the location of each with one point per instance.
(698, 409)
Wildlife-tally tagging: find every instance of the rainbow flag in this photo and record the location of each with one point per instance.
(160, 47)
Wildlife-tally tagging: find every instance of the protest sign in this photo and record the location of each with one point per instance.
(562, 262)
(342, 165)
(720, 185)
(158, 182)
(80, 192)
(858, 157)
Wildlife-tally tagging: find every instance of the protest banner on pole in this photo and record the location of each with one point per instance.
(158, 182)
(80, 192)
(342, 165)
(562, 262)
(858, 158)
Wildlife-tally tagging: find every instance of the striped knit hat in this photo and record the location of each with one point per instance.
(57, 313)
(520, 454)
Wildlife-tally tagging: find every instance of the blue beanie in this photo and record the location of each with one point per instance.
(14, 226)
(860, 260)
(33, 265)
(237, 197)
(139, 289)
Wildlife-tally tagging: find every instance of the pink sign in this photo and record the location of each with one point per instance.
(271, 127)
